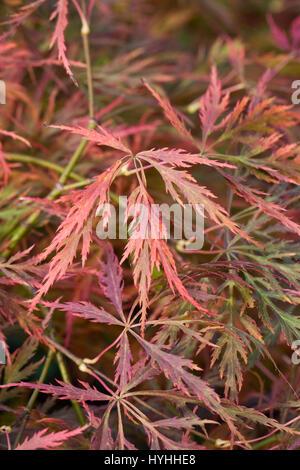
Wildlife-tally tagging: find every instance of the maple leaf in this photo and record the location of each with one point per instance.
(149, 250)
(77, 225)
(58, 36)
(179, 158)
(232, 347)
(111, 279)
(253, 197)
(15, 136)
(236, 55)
(212, 106)
(193, 193)
(280, 36)
(102, 439)
(22, 15)
(22, 272)
(41, 440)
(170, 113)
(174, 367)
(4, 157)
(123, 358)
(87, 311)
(65, 391)
(20, 367)
(101, 136)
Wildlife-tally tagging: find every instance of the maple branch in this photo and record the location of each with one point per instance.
(78, 361)
(69, 168)
(85, 31)
(77, 185)
(18, 157)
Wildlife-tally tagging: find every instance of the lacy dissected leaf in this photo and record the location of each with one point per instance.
(179, 158)
(279, 35)
(254, 197)
(123, 358)
(41, 440)
(58, 37)
(149, 249)
(174, 367)
(281, 38)
(102, 439)
(212, 106)
(22, 272)
(65, 391)
(14, 136)
(101, 136)
(18, 18)
(20, 367)
(243, 415)
(77, 225)
(157, 439)
(111, 279)
(197, 196)
(264, 118)
(15, 309)
(141, 372)
(170, 113)
(88, 311)
(233, 349)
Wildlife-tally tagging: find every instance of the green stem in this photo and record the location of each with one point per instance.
(265, 442)
(18, 157)
(33, 397)
(77, 185)
(66, 379)
(73, 160)
(24, 227)
(85, 31)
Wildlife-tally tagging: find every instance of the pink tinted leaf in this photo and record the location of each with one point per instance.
(174, 368)
(102, 439)
(41, 440)
(65, 391)
(140, 373)
(179, 158)
(15, 136)
(179, 423)
(254, 197)
(101, 136)
(170, 113)
(18, 18)
(87, 311)
(124, 358)
(212, 106)
(74, 228)
(236, 53)
(111, 279)
(280, 37)
(58, 36)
